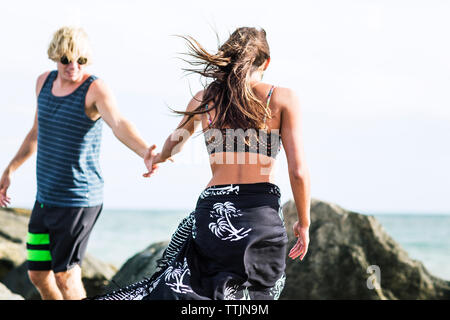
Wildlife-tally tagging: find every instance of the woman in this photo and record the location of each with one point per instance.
(233, 246)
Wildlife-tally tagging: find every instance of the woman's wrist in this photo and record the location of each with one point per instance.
(9, 170)
(303, 225)
(160, 158)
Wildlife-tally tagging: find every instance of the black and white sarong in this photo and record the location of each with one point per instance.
(233, 246)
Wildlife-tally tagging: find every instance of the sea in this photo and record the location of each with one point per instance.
(120, 234)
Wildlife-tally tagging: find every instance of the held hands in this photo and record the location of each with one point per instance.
(301, 247)
(152, 160)
(5, 182)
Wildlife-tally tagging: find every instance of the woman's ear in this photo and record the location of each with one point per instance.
(266, 65)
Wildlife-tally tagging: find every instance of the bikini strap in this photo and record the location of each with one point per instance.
(268, 100)
(208, 115)
(269, 96)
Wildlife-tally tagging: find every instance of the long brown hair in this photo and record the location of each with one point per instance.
(229, 69)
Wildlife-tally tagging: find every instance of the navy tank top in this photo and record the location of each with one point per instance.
(67, 169)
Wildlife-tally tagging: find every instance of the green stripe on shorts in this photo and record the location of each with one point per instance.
(39, 255)
(38, 238)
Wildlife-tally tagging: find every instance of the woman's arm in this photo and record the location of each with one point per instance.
(292, 139)
(176, 140)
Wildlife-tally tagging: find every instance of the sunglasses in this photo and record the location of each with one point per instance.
(81, 60)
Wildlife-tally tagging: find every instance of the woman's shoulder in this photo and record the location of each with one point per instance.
(196, 101)
(282, 92)
(283, 97)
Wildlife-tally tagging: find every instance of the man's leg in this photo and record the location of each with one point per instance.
(45, 283)
(69, 232)
(39, 260)
(70, 284)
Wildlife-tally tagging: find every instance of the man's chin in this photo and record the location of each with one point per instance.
(72, 77)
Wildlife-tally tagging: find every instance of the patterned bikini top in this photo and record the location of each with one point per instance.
(239, 140)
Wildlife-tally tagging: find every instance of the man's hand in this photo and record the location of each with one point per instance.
(152, 161)
(150, 158)
(4, 185)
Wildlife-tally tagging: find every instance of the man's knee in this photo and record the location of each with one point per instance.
(40, 278)
(62, 278)
(65, 279)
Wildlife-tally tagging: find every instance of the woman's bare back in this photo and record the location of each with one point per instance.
(246, 167)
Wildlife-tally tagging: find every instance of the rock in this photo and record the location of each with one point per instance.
(346, 252)
(14, 225)
(6, 294)
(13, 232)
(13, 270)
(142, 264)
(349, 256)
(95, 275)
(17, 280)
(12, 255)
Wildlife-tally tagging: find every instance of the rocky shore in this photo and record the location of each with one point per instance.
(14, 282)
(350, 257)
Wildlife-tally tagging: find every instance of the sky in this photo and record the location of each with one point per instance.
(372, 78)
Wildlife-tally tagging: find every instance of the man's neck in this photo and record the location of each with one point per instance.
(63, 82)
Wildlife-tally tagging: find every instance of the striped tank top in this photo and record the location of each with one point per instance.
(67, 169)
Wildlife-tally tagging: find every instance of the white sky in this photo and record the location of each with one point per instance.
(373, 78)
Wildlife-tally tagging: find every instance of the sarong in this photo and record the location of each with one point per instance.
(231, 247)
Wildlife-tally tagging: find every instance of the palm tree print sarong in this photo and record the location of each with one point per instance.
(233, 246)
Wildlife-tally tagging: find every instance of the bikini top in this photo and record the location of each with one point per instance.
(240, 140)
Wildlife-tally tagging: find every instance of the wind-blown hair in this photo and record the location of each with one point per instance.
(229, 69)
(72, 42)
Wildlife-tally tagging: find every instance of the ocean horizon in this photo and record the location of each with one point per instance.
(119, 234)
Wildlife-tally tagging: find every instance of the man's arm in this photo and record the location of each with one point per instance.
(123, 129)
(26, 150)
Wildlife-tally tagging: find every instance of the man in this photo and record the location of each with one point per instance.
(71, 106)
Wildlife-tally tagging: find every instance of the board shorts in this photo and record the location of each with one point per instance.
(58, 236)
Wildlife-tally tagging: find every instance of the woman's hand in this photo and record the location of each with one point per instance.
(152, 160)
(301, 247)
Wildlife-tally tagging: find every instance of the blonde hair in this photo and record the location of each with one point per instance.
(72, 42)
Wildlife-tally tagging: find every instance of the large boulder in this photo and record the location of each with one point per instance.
(13, 231)
(95, 276)
(351, 256)
(138, 267)
(14, 224)
(12, 255)
(13, 270)
(6, 294)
